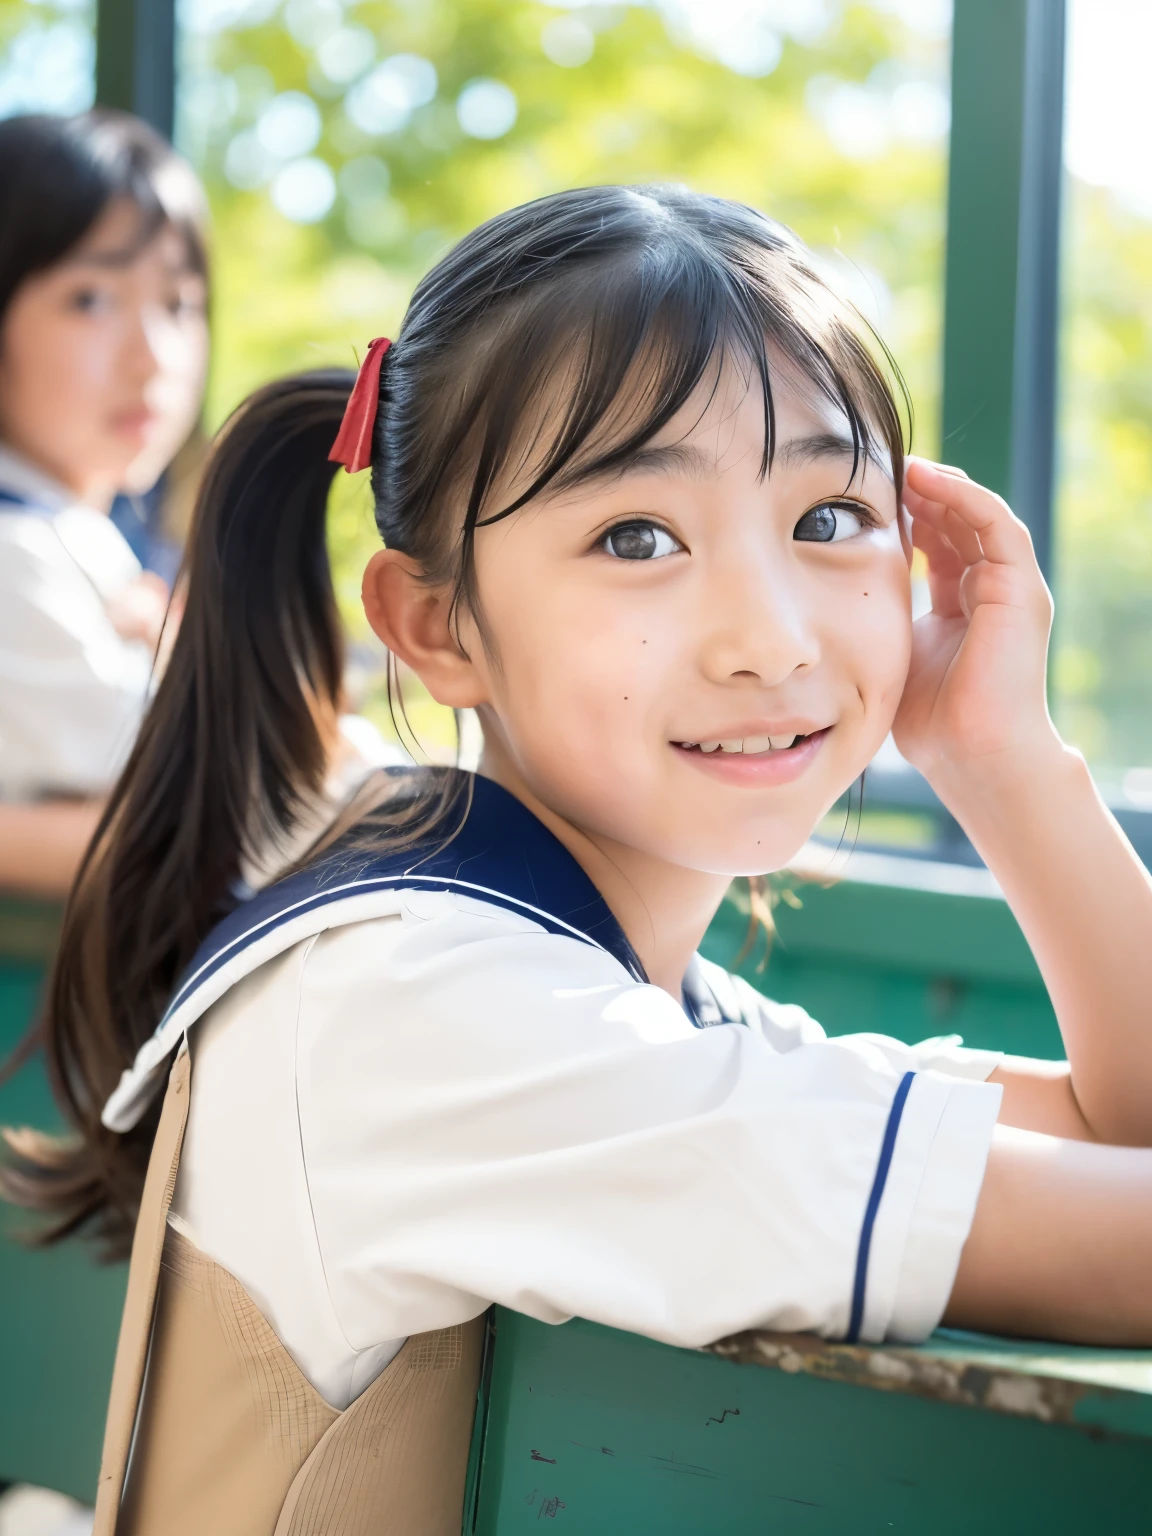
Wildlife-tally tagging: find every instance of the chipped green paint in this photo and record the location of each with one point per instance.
(614, 1434)
(1056, 1384)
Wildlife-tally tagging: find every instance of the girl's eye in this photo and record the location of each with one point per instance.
(831, 523)
(89, 301)
(640, 541)
(185, 306)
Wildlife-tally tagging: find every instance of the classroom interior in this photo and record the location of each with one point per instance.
(975, 177)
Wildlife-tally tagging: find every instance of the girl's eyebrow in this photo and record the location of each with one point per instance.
(670, 459)
(694, 463)
(820, 446)
(123, 256)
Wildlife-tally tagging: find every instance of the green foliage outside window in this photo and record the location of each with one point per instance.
(1102, 674)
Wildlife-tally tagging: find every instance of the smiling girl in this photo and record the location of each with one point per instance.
(639, 483)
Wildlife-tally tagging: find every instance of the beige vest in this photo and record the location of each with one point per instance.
(231, 1439)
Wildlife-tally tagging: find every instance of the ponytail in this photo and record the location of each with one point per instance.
(235, 741)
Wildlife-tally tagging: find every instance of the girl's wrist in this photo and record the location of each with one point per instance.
(983, 789)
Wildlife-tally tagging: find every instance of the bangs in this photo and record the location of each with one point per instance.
(140, 168)
(574, 379)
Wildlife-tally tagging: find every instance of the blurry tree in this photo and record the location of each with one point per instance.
(1103, 658)
(47, 55)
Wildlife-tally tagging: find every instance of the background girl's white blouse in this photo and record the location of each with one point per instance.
(72, 691)
(401, 1120)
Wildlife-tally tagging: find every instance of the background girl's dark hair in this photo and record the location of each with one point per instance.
(59, 174)
(609, 306)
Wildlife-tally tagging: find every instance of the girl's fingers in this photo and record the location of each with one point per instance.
(1003, 537)
(941, 518)
(945, 587)
(962, 537)
(942, 557)
(945, 567)
(921, 510)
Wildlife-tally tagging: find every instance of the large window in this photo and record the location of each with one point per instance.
(1102, 677)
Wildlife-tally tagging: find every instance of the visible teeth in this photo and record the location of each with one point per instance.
(750, 744)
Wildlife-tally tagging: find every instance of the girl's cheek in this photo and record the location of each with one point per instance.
(872, 624)
(886, 629)
(582, 691)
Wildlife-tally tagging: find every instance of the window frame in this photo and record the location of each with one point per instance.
(136, 59)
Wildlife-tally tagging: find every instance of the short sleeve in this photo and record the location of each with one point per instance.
(787, 1025)
(492, 1113)
(72, 692)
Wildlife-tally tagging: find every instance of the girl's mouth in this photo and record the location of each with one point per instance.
(755, 759)
(752, 745)
(135, 425)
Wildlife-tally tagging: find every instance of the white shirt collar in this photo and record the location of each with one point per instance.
(40, 488)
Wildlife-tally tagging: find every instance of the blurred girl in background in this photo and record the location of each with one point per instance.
(103, 355)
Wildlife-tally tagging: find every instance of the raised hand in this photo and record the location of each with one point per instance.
(975, 696)
(138, 610)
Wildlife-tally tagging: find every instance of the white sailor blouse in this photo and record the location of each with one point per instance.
(432, 1080)
(72, 691)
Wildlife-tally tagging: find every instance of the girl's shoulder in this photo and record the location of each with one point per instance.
(491, 853)
(52, 545)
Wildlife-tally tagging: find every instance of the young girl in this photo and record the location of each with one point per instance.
(103, 350)
(639, 482)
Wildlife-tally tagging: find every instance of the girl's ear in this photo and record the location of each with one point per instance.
(412, 618)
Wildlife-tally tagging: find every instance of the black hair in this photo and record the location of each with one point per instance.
(611, 305)
(59, 174)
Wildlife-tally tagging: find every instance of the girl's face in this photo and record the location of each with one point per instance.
(631, 624)
(103, 358)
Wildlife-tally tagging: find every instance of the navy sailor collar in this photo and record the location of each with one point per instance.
(500, 854)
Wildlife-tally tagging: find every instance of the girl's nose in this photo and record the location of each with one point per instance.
(757, 625)
(146, 340)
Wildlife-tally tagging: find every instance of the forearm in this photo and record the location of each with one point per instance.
(1061, 1245)
(41, 845)
(1084, 902)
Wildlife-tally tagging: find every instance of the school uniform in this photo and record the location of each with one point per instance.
(72, 690)
(430, 1081)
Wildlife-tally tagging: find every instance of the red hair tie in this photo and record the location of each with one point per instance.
(353, 445)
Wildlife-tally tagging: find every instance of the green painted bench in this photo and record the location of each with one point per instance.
(609, 1434)
(59, 1312)
(613, 1433)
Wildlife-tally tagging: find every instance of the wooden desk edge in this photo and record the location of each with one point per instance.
(1023, 1382)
